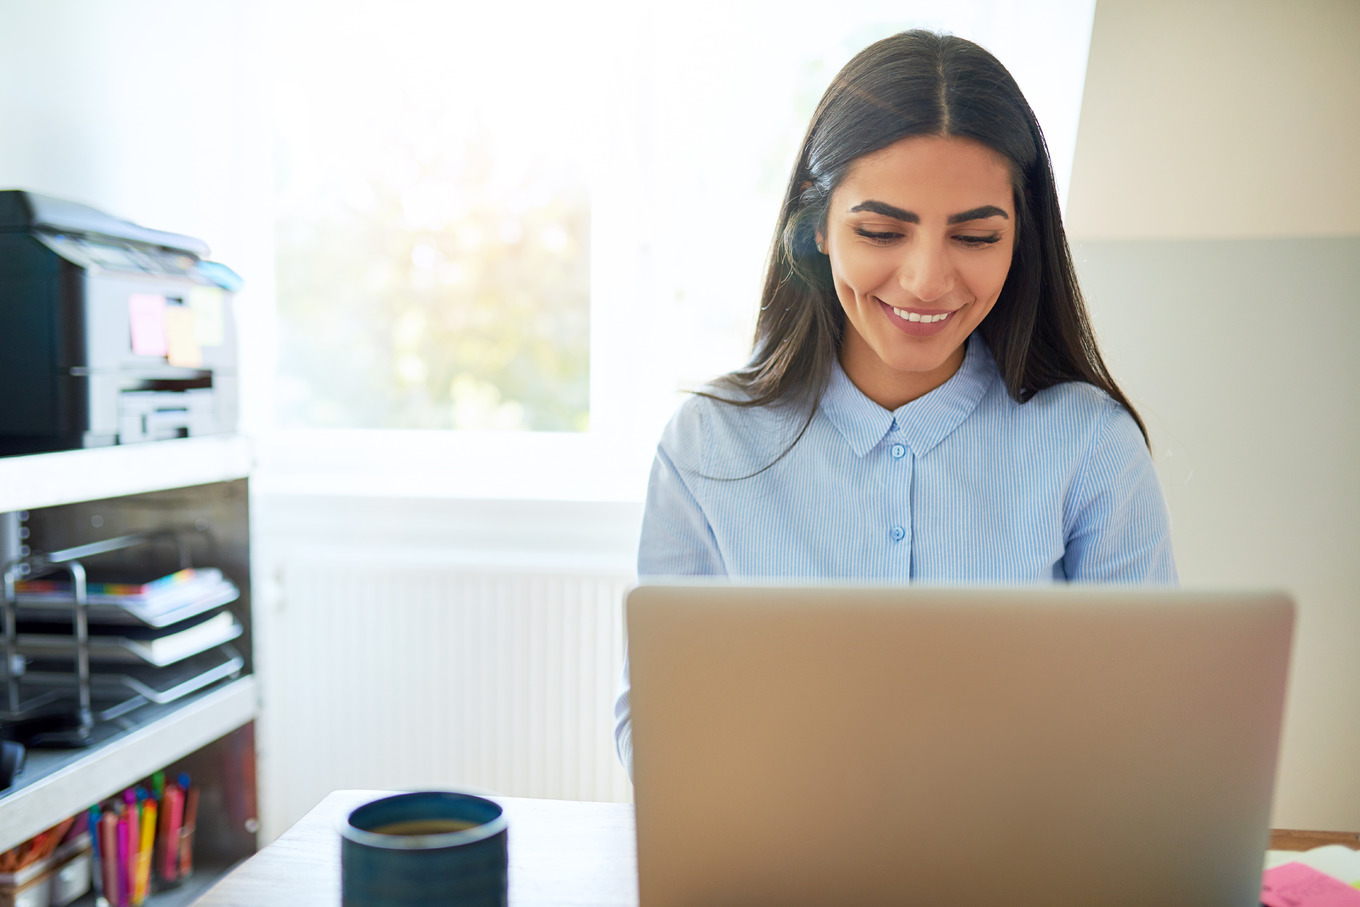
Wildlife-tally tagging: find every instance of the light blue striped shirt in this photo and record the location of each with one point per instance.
(962, 485)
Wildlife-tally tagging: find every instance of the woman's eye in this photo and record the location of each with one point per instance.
(876, 236)
(973, 240)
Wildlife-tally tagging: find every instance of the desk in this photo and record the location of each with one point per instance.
(562, 853)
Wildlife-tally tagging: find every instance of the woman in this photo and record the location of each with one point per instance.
(925, 401)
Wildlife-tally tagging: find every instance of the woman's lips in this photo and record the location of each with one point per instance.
(919, 322)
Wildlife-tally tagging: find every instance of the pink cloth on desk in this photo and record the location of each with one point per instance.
(1297, 885)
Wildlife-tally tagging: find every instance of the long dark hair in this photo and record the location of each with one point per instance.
(921, 83)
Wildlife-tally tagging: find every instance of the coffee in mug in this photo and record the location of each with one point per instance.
(422, 849)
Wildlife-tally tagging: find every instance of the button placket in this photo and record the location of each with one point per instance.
(899, 469)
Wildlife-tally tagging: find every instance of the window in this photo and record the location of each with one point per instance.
(433, 222)
(539, 223)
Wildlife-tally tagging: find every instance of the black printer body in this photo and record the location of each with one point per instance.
(110, 333)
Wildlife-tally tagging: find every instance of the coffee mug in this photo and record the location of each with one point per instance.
(424, 848)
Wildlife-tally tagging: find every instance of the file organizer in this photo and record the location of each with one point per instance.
(122, 646)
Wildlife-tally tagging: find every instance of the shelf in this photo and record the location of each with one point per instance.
(69, 476)
(205, 876)
(60, 783)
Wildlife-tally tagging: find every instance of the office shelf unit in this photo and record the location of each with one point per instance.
(197, 487)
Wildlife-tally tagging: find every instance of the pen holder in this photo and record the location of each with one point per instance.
(425, 848)
(29, 887)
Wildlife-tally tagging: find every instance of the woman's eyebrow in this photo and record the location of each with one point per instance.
(981, 213)
(887, 210)
(910, 217)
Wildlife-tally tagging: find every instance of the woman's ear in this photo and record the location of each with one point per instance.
(820, 240)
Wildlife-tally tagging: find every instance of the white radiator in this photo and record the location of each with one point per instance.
(407, 675)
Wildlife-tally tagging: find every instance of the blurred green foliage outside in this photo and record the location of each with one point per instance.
(445, 289)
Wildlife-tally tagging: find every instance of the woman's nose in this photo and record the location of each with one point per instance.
(927, 272)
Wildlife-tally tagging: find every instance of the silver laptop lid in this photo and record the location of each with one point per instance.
(870, 745)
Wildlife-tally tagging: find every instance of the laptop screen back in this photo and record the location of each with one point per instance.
(870, 745)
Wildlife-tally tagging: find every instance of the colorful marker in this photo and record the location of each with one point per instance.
(147, 845)
(186, 835)
(174, 808)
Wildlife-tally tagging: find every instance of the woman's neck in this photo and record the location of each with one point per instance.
(889, 387)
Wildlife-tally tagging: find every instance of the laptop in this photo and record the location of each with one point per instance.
(1067, 745)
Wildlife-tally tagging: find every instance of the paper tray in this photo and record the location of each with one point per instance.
(159, 685)
(130, 649)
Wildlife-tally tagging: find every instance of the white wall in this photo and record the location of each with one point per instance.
(1215, 213)
(1213, 119)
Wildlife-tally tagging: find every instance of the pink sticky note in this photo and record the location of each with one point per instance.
(1297, 885)
(146, 315)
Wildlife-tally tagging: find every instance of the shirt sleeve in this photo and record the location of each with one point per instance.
(676, 540)
(1118, 527)
(623, 722)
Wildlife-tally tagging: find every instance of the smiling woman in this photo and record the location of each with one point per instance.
(924, 401)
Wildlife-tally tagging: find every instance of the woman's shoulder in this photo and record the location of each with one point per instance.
(718, 423)
(1071, 402)
(1083, 412)
(1076, 399)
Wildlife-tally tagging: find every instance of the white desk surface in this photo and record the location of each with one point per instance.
(562, 853)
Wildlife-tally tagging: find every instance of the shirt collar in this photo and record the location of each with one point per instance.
(925, 421)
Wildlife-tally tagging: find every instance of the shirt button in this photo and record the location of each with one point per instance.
(898, 451)
(898, 533)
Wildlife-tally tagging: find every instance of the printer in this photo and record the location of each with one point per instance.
(110, 333)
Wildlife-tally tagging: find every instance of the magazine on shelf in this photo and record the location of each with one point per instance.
(156, 603)
(176, 585)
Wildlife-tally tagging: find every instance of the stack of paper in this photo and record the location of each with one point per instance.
(113, 643)
(155, 603)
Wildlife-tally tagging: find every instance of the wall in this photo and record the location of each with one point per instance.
(1215, 215)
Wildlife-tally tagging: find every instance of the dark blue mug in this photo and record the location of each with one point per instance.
(424, 848)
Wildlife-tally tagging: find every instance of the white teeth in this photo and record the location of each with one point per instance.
(916, 316)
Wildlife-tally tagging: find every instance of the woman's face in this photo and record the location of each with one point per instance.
(920, 236)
